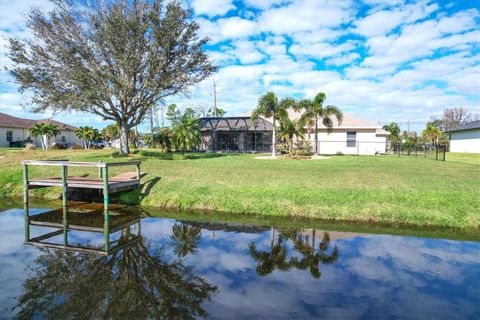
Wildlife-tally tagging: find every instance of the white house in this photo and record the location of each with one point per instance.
(14, 131)
(352, 136)
(465, 138)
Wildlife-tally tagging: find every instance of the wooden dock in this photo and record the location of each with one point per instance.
(122, 182)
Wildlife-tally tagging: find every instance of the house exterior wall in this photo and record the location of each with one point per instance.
(367, 142)
(19, 134)
(465, 141)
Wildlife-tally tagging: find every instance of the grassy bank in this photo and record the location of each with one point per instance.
(392, 190)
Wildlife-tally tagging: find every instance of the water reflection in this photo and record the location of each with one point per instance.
(119, 229)
(190, 269)
(185, 238)
(133, 283)
(277, 256)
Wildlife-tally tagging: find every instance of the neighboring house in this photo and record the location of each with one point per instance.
(239, 134)
(465, 138)
(14, 131)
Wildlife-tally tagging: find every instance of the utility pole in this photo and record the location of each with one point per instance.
(214, 99)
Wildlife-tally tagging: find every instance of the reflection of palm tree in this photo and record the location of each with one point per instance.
(135, 282)
(311, 258)
(185, 239)
(276, 258)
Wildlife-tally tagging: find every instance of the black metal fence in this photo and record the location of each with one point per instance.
(427, 151)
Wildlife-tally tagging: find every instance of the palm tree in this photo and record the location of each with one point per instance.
(44, 130)
(290, 128)
(431, 134)
(38, 130)
(185, 239)
(315, 111)
(86, 134)
(394, 131)
(270, 106)
(186, 132)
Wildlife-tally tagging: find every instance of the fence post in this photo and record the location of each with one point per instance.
(436, 152)
(416, 150)
(444, 151)
(425, 150)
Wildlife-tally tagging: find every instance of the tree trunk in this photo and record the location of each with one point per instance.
(274, 138)
(316, 136)
(124, 147)
(45, 142)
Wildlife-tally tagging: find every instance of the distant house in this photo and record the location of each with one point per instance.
(353, 136)
(14, 131)
(239, 134)
(465, 138)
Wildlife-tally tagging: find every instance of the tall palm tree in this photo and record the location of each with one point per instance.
(270, 106)
(50, 131)
(431, 134)
(86, 134)
(185, 239)
(314, 111)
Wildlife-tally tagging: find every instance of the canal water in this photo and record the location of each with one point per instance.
(186, 269)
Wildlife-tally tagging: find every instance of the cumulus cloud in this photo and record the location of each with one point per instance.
(212, 8)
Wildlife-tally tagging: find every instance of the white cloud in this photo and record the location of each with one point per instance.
(305, 16)
(343, 59)
(226, 28)
(212, 8)
(265, 4)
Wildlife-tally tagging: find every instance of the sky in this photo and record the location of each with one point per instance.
(379, 60)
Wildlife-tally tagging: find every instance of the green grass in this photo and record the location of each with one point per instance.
(368, 189)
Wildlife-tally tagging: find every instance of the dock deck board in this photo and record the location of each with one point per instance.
(122, 182)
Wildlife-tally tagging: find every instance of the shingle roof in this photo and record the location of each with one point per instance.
(234, 124)
(9, 121)
(467, 126)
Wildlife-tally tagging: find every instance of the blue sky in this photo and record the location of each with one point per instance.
(379, 60)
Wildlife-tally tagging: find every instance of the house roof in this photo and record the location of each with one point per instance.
(8, 121)
(467, 126)
(234, 124)
(349, 122)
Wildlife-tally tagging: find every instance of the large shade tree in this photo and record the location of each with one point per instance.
(314, 111)
(270, 106)
(115, 59)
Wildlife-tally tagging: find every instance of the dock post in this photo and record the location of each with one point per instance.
(27, 221)
(65, 226)
(64, 185)
(65, 209)
(138, 171)
(26, 215)
(106, 214)
(25, 184)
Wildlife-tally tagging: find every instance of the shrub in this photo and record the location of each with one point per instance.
(76, 147)
(29, 146)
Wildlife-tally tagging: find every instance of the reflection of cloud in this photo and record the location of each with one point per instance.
(378, 275)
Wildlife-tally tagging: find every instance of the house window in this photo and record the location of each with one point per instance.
(9, 136)
(64, 139)
(351, 139)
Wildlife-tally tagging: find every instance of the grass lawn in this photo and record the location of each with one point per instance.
(383, 189)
